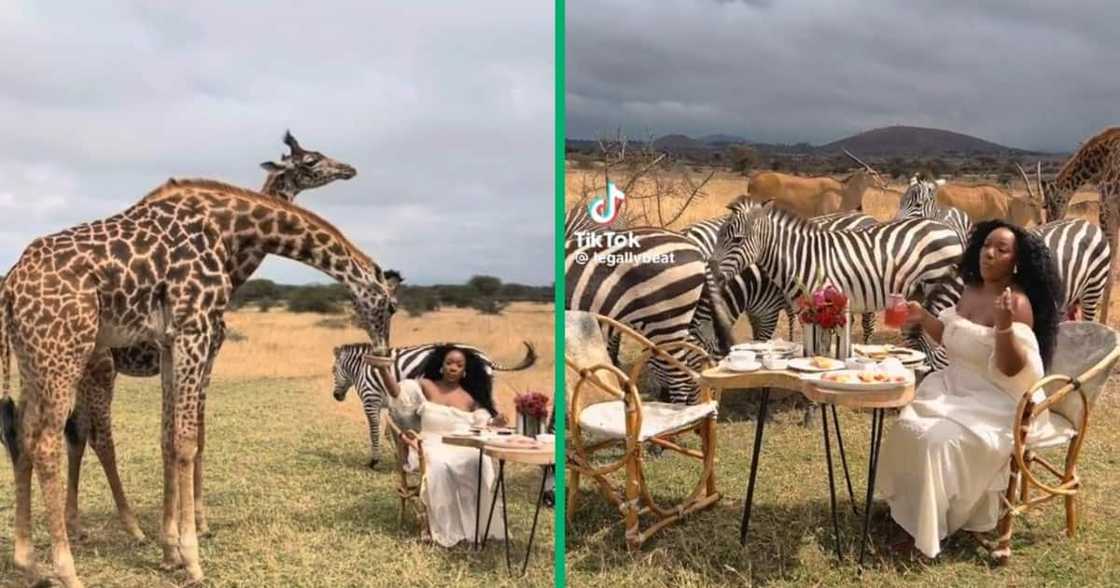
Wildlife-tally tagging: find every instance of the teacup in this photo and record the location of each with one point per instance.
(775, 362)
(740, 359)
(860, 363)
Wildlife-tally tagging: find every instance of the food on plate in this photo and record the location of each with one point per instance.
(823, 363)
(840, 378)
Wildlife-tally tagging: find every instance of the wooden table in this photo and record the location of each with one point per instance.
(544, 456)
(877, 400)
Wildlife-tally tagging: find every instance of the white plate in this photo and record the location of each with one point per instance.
(767, 346)
(903, 354)
(804, 364)
(754, 365)
(819, 380)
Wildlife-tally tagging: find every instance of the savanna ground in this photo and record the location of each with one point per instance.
(291, 501)
(791, 541)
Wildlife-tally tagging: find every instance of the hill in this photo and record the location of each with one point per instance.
(903, 140)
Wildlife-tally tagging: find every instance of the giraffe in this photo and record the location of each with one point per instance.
(299, 170)
(1098, 161)
(159, 271)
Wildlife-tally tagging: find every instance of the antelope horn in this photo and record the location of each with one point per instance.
(867, 167)
(1027, 181)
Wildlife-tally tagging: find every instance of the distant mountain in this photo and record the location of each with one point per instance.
(901, 140)
(678, 143)
(894, 141)
(721, 139)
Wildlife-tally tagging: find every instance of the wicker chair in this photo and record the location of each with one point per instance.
(408, 479)
(605, 412)
(1089, 351)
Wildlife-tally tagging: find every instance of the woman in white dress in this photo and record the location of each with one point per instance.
(453, 394)
(945, 461)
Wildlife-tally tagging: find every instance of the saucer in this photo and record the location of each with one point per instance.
(750, 367)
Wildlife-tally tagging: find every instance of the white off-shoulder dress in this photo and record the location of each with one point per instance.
(944, 463)
(449, 488)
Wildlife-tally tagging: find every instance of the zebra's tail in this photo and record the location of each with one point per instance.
(525, 363)
(9, 416)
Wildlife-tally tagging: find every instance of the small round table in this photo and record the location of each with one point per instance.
(877, 400)
(544, 456)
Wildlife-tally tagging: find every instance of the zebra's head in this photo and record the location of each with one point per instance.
(347, 362)
(919, 199)
(737, 246)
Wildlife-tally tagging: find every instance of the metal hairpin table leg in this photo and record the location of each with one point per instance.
(533, 532)
(831, 481)
(478, 499)
(494, 501)
(759, 425)
(843, 459)
(873, 464)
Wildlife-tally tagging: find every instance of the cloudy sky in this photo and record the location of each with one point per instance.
(444, 108)
(1034, 74)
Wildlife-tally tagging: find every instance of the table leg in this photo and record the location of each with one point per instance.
(493, 502)
(505, 521)
(533, 531)
(831, 481)
(844, 459)
(478, 499)
(760, 423)
(873, 464)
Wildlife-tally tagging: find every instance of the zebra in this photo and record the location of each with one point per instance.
(899, 256)
(1080, 250)
(755, 295)
(648, 278)
(408, 362)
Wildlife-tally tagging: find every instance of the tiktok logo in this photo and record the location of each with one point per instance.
(604, 209)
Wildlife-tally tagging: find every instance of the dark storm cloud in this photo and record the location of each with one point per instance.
(444, 109)
(1026, 74)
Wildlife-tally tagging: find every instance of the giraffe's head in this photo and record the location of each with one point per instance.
(303, 169)
(737, 246)
(375, 306)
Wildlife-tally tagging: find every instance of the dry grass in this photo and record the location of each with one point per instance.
(290, 345)
(791, 532)
(291, 500)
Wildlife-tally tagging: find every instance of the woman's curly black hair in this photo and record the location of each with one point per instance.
(478, 382)
(1037, 276)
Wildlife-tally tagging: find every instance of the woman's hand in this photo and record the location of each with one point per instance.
(499, 420)
(1005, 306)
(914, 314)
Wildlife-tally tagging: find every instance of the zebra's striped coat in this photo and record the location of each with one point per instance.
(408, 362)
(867, 264)
(657, 298)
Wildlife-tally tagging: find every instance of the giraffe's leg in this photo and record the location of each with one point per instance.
(199, 505)
(1109, 193)
(23, 552)
(77, 432)
(191, 353)
(169, 531)
(45, 451)
(97, 388)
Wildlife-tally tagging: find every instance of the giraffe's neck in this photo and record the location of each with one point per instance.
(252, 223)
(277, 184)
(1085, 166)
